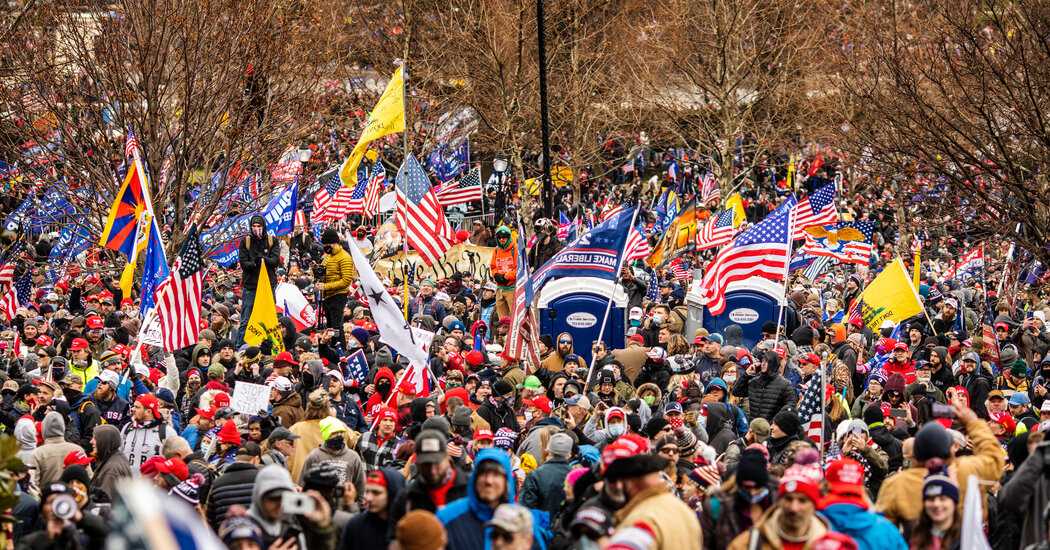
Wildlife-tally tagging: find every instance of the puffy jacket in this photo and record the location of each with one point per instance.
(339, 273)
(502, 417)
(870, 530)
(48, 457)
(767, 392)
(233, 487)
(465, 518)
(142, 442)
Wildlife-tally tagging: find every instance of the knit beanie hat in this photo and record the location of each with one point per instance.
(654, 425)
(1019, 368)
(189, 490)
(873, 414)
(788, 422)
(229, 433)
(932, 441)
(703, 476)
(939, 483)
(331, 426)
(686, 440)
(751, 469)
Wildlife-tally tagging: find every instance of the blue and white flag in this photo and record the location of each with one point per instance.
(356, 367)
(280, 213)
(596, 253)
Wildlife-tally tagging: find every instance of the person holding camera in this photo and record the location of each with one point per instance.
(335, 274)
(257, 249)
(63, 522)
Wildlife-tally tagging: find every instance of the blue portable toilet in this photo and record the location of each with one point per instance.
(749, 304)
(576, 305)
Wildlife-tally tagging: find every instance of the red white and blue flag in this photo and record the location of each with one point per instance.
(420, 216)
(969, 265)
(709, 191)
(522, 340)
(764, 250)
(467, 189)
(637, 245)
(847, 242)
(815, 209)
(717, 231)
(596, 253)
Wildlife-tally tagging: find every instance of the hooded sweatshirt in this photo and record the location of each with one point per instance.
(720, 432)
(255, 253)
(48, 457)
(465, 518)
(375, 402)
(271, 478)
(25, 433)
(871, 531)
(112, 464)
(367, 530)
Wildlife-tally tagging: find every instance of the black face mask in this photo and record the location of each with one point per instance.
(361, 235)
(327, 249)
(335, 443)
(383, 388)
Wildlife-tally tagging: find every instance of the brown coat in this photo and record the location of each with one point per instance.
(673, 524)
(900, 498)
(289, 409)
(767, 527)
(632, 358)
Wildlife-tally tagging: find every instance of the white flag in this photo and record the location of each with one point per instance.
(291, 302)
(973, 518)
(394, 330)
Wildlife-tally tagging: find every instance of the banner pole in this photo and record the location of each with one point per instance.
(612, 291)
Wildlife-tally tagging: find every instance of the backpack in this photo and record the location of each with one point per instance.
(77, 409)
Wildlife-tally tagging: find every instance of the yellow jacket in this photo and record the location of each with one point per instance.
(900, 498)
(339, 274)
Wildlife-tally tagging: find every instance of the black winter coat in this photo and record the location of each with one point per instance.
(503, 417)
(415, 497)
(891, 445)
(232, 487)
(256, 252)
(766, 392)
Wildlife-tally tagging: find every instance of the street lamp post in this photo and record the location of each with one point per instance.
(304, 153)
(545, 132)
(499, 165)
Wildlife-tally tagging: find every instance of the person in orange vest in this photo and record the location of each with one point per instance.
(504, 267)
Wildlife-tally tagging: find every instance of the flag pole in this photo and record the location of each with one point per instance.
(405, 148)
(787, 272)
(916, 294)
(612, 290)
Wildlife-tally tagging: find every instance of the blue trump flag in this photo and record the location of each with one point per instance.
(596, 253)
(280, 213)
(357, 367)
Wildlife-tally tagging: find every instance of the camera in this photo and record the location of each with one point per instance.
(64, 506)
(319, 271)
(297, 503)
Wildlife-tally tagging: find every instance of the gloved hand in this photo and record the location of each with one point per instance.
(500, 279)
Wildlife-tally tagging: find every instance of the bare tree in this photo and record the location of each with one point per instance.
(955, 98)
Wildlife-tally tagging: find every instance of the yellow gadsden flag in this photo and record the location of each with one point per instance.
(737, 204)
(387, 118)
(263, 322)
(890, 296)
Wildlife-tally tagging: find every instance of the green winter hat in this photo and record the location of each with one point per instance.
(1019, 368)
(531, 383)
(331, 426)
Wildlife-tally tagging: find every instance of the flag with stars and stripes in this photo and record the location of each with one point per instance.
(653, 292)
(718, 231)
(17, 295)
(376, 188)
(811, 408)
(709, 191)
(356, 204)
(131, 145)
(467, 189)
(637, 245)
(522, 340)
(610, 212)
(815, 209)
(420, 216)
(679, 270)
(331, 201)
(179, 296)
(596, 253)
(847, 242)
(764, 250)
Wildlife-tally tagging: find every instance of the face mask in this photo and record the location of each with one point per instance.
(257, 232)
(335, 443)
(676, 422)
(616, 430)
(925, 380)
(353, 344)
(360, 235)
(634, 323)
(754, 499)
(528, 416)
(730, 379)
(649, 400)
(657, 319)
(327, 249)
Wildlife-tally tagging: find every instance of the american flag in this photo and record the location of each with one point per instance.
(854, 313)
(420, 216)
(637, 245)
(376, 188)
(717, 231)
(763, 250)
(131, 145)
(610, 212)
(165, 169)
(331, 201)
(17, 295)
(964, 267)
(563, 226)
(522, 337)
(653, 292)
(679, 270)
(179, 296)
(811, 409)
(7, 275)
(467, 189)
(847, 242)
(816, 209)
(709, 191)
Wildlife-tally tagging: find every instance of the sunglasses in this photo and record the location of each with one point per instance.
(564, 341)
(669, 450)
(496, 534)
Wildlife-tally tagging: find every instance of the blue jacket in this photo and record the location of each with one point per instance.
(870, 530)
(464, 519)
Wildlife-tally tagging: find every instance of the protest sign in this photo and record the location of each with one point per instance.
(250, 398)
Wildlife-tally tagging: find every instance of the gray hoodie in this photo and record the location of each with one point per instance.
(25, 433)
(48, 458)
(270, 478)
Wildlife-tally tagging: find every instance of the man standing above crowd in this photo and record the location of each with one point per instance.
(338, 274)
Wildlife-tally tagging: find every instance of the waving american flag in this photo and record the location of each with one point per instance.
(816, 209)
(420, 216)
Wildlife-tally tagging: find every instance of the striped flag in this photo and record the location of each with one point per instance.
(522, 337)
(854, 313)
(811, 409)
(131, 144)
(816, 209)
(179, 296)
(652, 293)
(331, 202)
(847, 242)
(420, 216)
(709, 191)
(563, 226)
(18, 295)
(637, 245)
(679, 270)
(717, 231)
(763, 251)
(467, 189)
(610, 212)
(376, 187)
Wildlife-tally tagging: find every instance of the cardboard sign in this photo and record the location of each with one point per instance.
(250, 398)
(152, 334)
(423, 337)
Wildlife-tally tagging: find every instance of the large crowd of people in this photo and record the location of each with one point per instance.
(677, 439)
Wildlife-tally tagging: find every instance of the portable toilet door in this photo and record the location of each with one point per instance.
(749, 304)
(576, 305)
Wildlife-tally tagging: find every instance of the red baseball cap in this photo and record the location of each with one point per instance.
(78, 344)
(1006, 420)
(122, 350)
(474, 358)
(94, 322)
(483, 434)
(77, 457)
(846, 477)
(900, 345)
(285, 356)
(636, 338)
(44, 340)
(221, 399)
(208, 413)
(151, 402)
(175, 467)
(92, 298)
(540, 402)
(810, 358)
